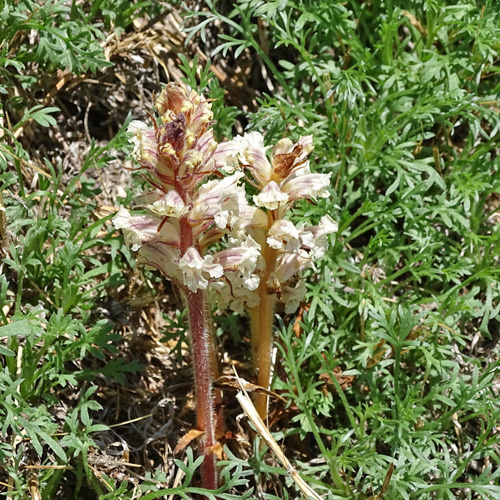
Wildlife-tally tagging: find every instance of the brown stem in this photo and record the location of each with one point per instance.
(203, 370)
(255, 328)
(214, 365)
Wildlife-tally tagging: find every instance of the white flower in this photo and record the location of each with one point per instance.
(289, 264)
(288, 157)
(247, 150)
(195, 269)
(286, 146)
(144, 141)
(220, 201)
(171, 204)
(136, 228)
(162, 257)
(237, 298)
(140, 229)
(163, 204)
(250, 220)
(242, 261)
(309, 186)
(271, 197)
(284, 236)
(137, 128)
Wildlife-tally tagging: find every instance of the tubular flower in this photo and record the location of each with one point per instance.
(285, 249)
(281, 180)
(184, 212)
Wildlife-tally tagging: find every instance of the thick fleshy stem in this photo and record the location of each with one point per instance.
(262, 318)
(264, 348)
(204, 368)
(214, 365)
(201, 346)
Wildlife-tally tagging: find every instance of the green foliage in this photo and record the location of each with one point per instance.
(402, 101)
(58, 266)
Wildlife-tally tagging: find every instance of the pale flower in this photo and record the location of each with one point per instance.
(139, 229)
(234, 294)
(162, 257)
(288, 265)
(309, 186)
(315, 238)
(219, 201)
(137, 128)
(247, 150)
(197, 271)
(244, 260)
(286, 146)
(198, 162)
(271, 197)
(145, 146)
(163, 204)
(250, 221)
(284, 236)
(287, 157)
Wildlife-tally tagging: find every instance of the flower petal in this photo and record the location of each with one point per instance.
(220, 201)
(307, 186)
(284, 236)
(288, 265)
(315, 238)
(247, 150)
(271, 197)
(137, 228)
(243, 260)
(161, 256)
(195, 269)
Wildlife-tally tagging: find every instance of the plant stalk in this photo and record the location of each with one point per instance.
(205, 368)
(203, 371)
(262, 328)
(264, 348)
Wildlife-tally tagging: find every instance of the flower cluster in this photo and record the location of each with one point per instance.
(185, 213)
(196, 197)
(285, 248)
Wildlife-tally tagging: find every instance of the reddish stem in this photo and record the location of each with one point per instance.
(201, 341)
(204, 368)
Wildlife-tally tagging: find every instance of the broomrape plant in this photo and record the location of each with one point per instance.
(285, 248)
(187, 212)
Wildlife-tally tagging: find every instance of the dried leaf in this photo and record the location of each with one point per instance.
(230, 382)
(251, 412)
(186, 439)
(344, 381)
(415, 22)
(378, 352)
